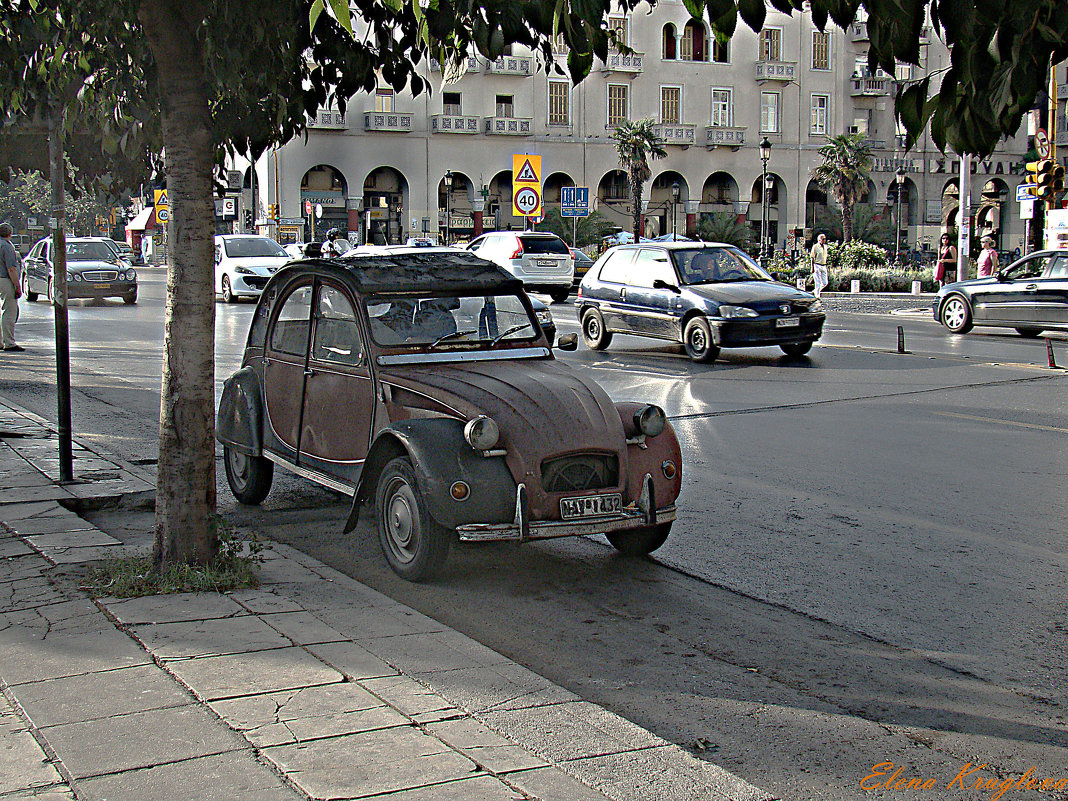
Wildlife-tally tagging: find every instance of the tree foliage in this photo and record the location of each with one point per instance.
(578, 231)
(724, 226)
(844, 174)
(636, 143)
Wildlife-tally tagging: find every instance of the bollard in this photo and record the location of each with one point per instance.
(916, 287)
(1050, 355)
(901, 339)
(854, 286)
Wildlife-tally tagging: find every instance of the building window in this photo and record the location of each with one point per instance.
(903, 72)
(384, 100)
(721, 51)
(820, 106)
(670, 104)
(692, 44)
(821, 51)
(559, 45)
(450, 104)
(769, 112)
(771, 44)
(722, 108)
(504, 106)
(621, 27)
(559, 103)
(669, 42)
(618, 103)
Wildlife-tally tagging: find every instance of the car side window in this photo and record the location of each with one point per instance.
(290, 333)
(615, 269)
(651, 265)
(1059, 268)
(1032, 268)
(337, 335)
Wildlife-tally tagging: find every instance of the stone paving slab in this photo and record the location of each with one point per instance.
(501, 687)
(52, 524)
(216, 677)
(12, 513)
(552, 784)
(70, 539)
(26, 657)
(174, 608)
(352, 659)
(23, 765)
(413, 699)
(200, 638)
(303, 628)
(485, 746)
(91, 553)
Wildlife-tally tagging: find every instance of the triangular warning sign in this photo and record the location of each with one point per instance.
(526, 174)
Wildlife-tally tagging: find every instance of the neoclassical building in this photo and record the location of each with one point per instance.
(379, 170)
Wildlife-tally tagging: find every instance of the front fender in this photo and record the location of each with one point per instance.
(441, 456)
(240, 421)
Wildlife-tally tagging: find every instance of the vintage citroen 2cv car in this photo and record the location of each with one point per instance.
(424, 385)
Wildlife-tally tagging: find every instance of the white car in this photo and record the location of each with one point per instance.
(541, 260)
(244, 263)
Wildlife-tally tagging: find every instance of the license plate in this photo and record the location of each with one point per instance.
(101, 286)
(788, 322)
(591, 506)
(546, 262)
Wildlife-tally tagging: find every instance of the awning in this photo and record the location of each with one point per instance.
(144, 221)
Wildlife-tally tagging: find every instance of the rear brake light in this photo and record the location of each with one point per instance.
(518, 252)
(580, 290)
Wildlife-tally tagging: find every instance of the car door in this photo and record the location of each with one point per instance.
(613, 283)
(650, 310)
(284, 370)
(1051, 296)
(1009, 297)
(30, 266)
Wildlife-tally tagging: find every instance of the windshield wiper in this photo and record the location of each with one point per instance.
(511, 330)
(450, 335)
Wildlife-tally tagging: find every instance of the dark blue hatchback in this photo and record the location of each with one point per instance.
(706, 296)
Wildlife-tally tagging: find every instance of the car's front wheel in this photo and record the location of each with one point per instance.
(796, 348)
(593, 332)
(640, 541)
(250, 477)
(227, 290)
(130, 298)
(697, 338)
(414, 543)
(956, 316)
(1030, 333)
(30, 296)
(559, 295)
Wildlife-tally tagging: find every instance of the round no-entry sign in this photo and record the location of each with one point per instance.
(527, 200)
(1042, 143)
(307, 207)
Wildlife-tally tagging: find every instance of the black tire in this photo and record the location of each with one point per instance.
(559, 295)
(227, 290)
(697, 339)
(249, 477)
(30, 296)
(956, 315)
(593, 333)
(51, 291)
(796, 348)
(414, 543)
(130, 298)
(639, 541)
(1029, 333)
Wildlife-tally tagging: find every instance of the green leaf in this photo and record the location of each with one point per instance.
(753, 13)
(342, 13)
(313, 13)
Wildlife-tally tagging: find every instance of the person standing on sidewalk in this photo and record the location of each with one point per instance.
(820, 277)
(946, 268)
(10, 289)
(988, 258)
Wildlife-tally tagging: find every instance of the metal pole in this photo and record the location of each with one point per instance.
(59, 294)
(763, 210)
(448, 214)
(252, 182)
(964, 236)
(897, 233)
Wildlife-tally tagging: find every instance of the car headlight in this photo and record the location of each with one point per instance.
(650, 420)
(73, 277)
(737, 311)
(482, 433)
(544, 317)
(816, 305)
(243, 270)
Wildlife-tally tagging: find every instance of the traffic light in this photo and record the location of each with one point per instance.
(1048, 177)
(248, 219)
(272, 211)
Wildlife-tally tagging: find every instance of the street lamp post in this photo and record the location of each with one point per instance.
(674, 208)
(765, 154)
(448, 192)
(897, 234)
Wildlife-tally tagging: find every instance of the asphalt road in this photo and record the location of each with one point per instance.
(868, 565)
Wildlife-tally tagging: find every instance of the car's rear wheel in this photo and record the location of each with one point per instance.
(250, 477)
(956, 316)
(796, 348)
(593, 333)
(51, 291)
(130, 298)
(697, 338)
(639, 541)
(227, 290)
(559, 295)
(414, 543)
(1030, 333)
(30, 296)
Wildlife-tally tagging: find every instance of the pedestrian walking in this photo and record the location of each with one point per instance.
(820, 277)
(331, 247)
(988, 258)
(946, 266)
(10, 289)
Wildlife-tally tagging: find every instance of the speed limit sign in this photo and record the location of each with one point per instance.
(527, 202)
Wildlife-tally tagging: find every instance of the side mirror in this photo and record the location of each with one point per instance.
(568, 342)
(659, 283)
(1002, 276)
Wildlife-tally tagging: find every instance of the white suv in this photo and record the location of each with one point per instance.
(244, 263)
(542, 260)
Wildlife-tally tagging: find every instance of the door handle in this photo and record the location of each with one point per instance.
(309, 373)
(1031, 286)
(623, 293)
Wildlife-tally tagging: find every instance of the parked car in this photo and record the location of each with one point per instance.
(1030, 295)
(542, 261)
(707, 296)
(422, 385)
(244, 263)
(541, 311)
(93, 271)
(582, 265)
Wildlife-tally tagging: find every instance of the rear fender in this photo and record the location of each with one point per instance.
(240, 421)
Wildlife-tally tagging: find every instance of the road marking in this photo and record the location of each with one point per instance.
(1003, 422)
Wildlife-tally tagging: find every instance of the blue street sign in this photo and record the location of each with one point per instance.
(574, 201)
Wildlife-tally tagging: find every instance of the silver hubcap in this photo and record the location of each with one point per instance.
(954, 314)
(593, 329)
(400, 521)
(697, 339)
(239, 464)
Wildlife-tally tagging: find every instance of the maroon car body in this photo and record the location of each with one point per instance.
(423, 385)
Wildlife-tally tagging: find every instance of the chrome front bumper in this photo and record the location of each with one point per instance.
(641, 514)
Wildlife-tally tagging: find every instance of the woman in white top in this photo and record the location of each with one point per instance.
(819, 264)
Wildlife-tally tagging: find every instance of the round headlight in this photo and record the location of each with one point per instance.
(131, 275)
(73, 277)
(481, 433)
(650, 420)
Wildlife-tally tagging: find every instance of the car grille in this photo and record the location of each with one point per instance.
(99, 275)
(580, 471)
(255, 281)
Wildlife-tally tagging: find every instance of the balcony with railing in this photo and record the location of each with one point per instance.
(387, 121)
(871, 86)
(473, 64)
(508, 126)
(627, 63)
(454, 123)
(784, 71)
(511, 65)
(721, 136)
(329, 120)
(676, 133)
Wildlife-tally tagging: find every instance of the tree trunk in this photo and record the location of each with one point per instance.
(185, 493)
(636, 204)
(847, 221)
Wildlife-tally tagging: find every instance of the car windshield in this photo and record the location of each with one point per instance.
(89, 251)
(434, 321)
(253, 247)
(716, 265)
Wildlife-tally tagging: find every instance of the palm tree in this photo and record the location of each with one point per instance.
(636, 142)
(723, 226)
(844, 173)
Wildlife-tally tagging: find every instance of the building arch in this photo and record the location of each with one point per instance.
(669, 51)
(816, 204)
(989, 219)
(720, 192)
(499, 201)
(776, 207)
(454, 212)
(324, 186)
(613, 198)
(950, 205)
(385, 206)
(552, 185)
(693, 44)
(668, 212)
